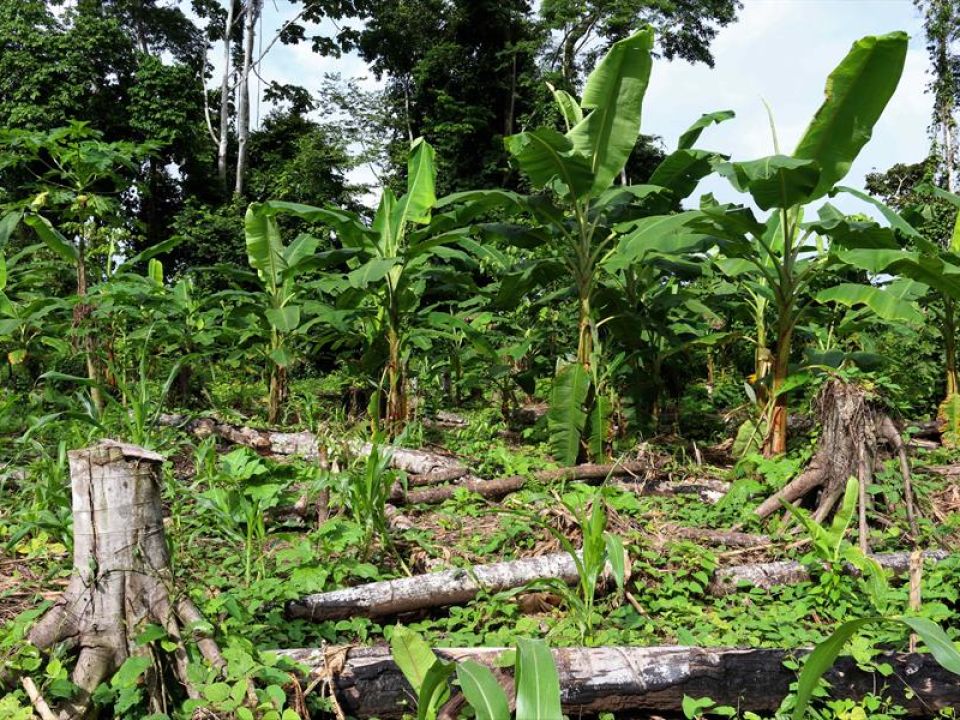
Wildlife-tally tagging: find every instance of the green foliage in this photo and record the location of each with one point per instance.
(567, 416)
(238, 504)
(367, 489)
(536, 680)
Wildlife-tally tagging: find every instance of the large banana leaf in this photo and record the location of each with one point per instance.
(857, 92)
(349, 229)
(546, 156)
(886, 305)
(668, 234)
(931, 271)
(680, 171)
(614, 95)
(264, 245)
(567, 417)
(283, 319)
(891, 216)
(569, 107)
(420, 198)
(53, 237)
(774, 181)
(692, 134)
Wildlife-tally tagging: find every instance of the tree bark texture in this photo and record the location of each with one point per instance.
(790, 572)
(121, 572)
(450, 587)
(368, 683)
(852, 427)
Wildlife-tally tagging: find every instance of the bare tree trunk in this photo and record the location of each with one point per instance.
(243, 97)
(121, 576)
(631, 680)
(223, 145)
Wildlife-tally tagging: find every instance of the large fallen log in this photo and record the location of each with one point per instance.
(790, 572)
(449, 587)
(369, 684)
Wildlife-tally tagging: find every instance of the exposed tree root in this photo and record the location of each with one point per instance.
(853, 426)
(121, 577)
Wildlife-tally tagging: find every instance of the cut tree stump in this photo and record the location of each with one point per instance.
(449, 587)
(853, 425)
(790, 572)
(121, 576)
(369, 684)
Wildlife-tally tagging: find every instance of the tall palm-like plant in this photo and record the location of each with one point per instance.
(778, 258)
(581, 216)
(278, 306)
(388, 261)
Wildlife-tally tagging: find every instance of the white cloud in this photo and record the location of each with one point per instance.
(781, 51)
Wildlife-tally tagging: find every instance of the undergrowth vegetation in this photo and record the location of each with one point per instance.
(592, 316)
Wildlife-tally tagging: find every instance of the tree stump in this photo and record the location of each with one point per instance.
(121, 575)
(853, 426)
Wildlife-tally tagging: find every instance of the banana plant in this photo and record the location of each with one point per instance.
(934, 263)
(278, 305)
(579, 213)
(393, 263)
(780, 257)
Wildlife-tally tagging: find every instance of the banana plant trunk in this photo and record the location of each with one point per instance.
(776, 440)
(584, 333)
(278, 392)
(396, 395)
(950, 345)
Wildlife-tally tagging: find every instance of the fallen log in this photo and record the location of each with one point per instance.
(500, 487)
(306, 445)
(790, 572)
(449, 587)
(368, 683)
(728, 538)
(266, 442)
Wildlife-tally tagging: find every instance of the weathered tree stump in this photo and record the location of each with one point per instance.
(121, 575)
(853, 426)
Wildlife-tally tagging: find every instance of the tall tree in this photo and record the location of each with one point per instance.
(941, 24)
(462, 74)
(587, 28)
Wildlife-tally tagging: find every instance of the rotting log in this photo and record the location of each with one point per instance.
(121, 579)
(449, 587)
(790, 572)
(727, 538)
(265, 442)
(368, 682)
